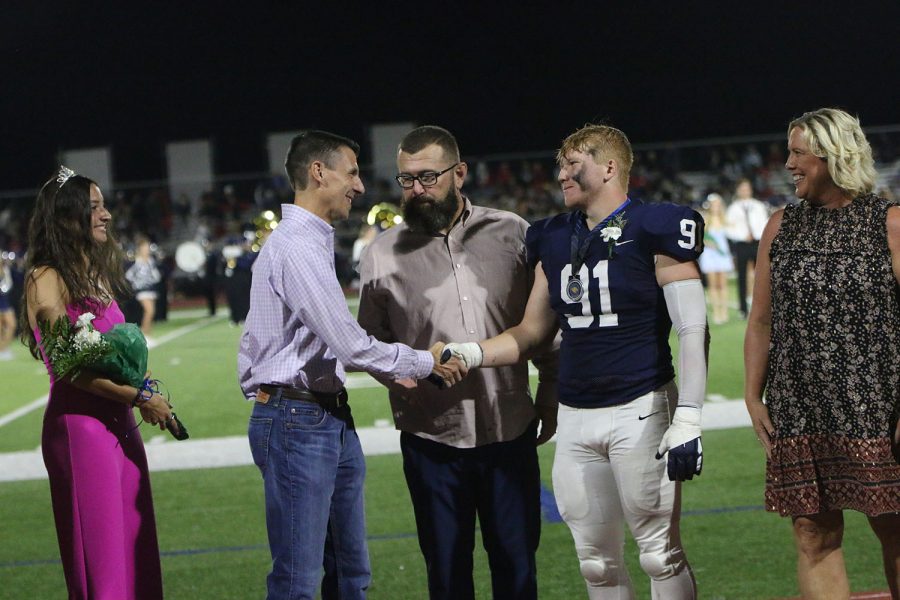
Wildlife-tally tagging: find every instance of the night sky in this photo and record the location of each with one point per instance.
(503, 77)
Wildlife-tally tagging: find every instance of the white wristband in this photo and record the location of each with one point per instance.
(469, 353)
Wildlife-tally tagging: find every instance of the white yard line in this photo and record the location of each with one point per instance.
(23, 410)
(182, 331)
(167, 454)
(153, 343)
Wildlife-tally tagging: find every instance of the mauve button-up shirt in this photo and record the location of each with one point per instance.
(299, 331)
(464, 287)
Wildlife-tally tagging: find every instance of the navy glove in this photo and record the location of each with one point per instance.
(685, 460)
(682, 441)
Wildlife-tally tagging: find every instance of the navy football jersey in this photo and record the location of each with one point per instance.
(615, 337)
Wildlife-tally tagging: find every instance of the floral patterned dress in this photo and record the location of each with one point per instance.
(833, 387)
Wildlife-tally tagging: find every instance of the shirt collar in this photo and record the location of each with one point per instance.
(466, 213)
(580, 214)
(301, 216)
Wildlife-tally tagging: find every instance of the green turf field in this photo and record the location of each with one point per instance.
(211, 521)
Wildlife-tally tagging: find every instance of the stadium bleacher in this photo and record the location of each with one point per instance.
(681, 172)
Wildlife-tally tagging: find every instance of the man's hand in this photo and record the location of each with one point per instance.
(547, 416)
(407, 383)
(682, 442)
(469, 353)
(451, 371)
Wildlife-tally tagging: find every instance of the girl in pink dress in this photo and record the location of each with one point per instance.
(99, 482)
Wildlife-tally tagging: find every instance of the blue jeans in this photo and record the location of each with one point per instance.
(313, 470)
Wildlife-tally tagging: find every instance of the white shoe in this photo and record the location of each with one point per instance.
(6, 354)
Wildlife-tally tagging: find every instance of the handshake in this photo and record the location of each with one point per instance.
(452, 362)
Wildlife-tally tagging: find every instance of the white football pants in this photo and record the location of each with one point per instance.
(605, 474)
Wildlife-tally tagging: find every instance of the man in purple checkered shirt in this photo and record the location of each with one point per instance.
(299, 339)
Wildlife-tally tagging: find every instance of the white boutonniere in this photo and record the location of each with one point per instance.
(613, 231)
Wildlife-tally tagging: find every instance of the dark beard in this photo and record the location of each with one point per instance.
(427, 216)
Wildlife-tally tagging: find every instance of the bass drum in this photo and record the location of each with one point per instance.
(190, 257)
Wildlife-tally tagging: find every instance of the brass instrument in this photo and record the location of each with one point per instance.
(265, 224)
(384, 215)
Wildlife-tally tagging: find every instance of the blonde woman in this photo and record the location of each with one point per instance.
(716, 261)
(823, 341)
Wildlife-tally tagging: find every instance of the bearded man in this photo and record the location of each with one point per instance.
(454, 270)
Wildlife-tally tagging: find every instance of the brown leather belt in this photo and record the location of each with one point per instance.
(327, 400)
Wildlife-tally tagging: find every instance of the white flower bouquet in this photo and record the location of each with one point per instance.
(120, 353)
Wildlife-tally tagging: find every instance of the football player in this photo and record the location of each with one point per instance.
(615, 275)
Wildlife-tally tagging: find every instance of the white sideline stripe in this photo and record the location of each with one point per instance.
(23, 410)
(194, 313)
(181, 331)
(153, 343)
(725, 414)
(364, 380)
(167, 454)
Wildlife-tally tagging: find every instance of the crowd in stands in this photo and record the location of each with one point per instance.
(684, 173)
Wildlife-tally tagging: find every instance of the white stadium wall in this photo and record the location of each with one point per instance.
(190, 165)
(383, 152)
(277, 144)
(93, 163)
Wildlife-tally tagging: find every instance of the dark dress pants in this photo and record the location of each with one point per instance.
(500, 483)
(744, 252)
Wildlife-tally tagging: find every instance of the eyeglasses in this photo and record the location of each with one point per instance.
(427, 178)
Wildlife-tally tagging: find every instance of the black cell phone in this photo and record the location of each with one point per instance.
(177, 428)
(436, 381)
